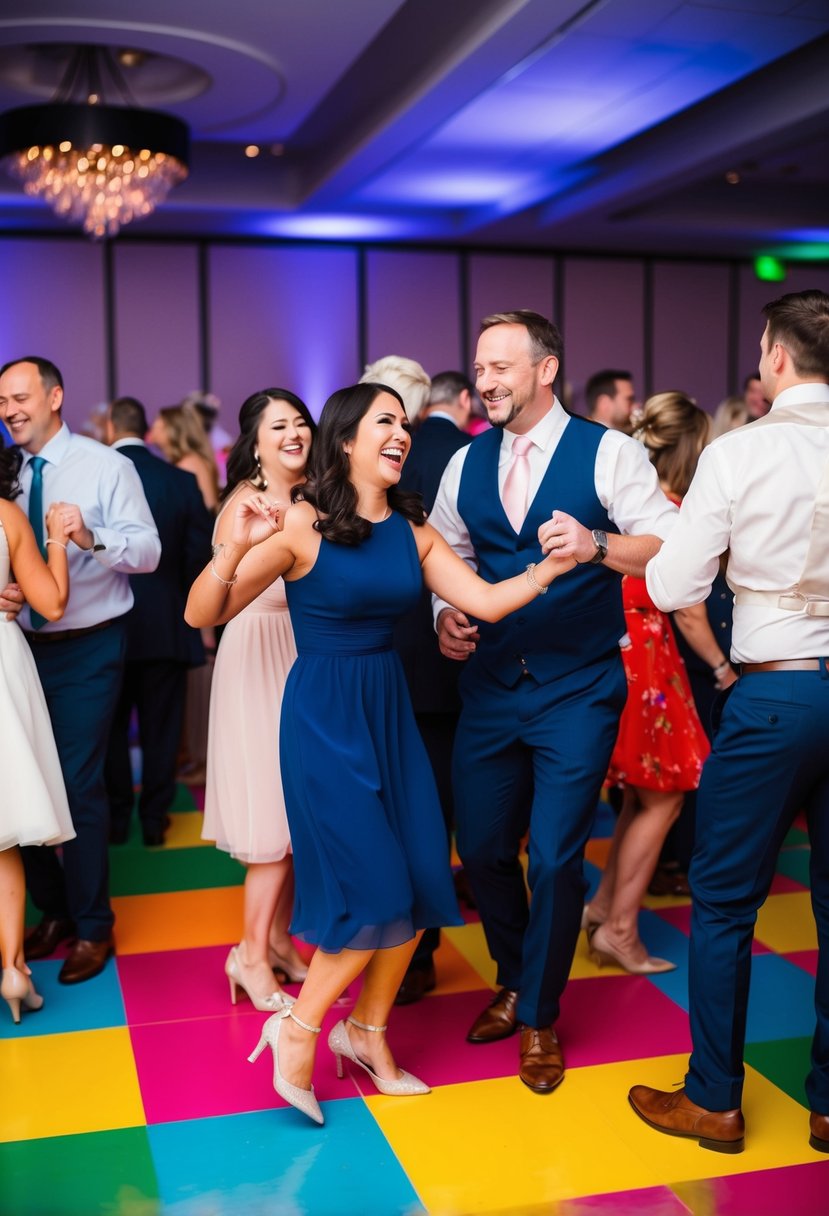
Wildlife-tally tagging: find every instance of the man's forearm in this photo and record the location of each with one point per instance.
(631, 554)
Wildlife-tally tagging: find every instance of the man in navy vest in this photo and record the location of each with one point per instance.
(543, 690)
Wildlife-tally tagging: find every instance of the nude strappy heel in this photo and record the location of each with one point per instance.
(303, 1099)
(403, 1086)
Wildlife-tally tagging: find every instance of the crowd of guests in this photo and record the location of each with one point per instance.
(438, 635)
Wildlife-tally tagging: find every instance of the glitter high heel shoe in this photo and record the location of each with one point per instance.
(16, 989)
(403, 1086)
(303, 1099)
(601, 953)
(273, 1003)
(288, 972)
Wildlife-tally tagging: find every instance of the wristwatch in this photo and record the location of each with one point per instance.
(97, 545)
(600, 541)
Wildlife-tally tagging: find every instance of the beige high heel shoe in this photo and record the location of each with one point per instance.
(273, 1003)
(601, 953)
(303, 1099)
(288, 972)
(16, 989)
(403, 1086)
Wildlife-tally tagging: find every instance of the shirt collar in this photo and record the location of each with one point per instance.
(802, 394)
(129, 441)
(440, 414)
(545, 430)
(54, 451)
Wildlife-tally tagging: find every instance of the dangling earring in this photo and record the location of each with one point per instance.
(260, 480)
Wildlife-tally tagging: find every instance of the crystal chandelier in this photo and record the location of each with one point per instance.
(99, 163)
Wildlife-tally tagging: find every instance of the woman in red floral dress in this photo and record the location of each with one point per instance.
(661, 745)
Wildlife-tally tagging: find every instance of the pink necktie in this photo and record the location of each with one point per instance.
(517, 483)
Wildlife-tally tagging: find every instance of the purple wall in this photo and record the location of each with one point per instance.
(301, 316)
(53, 305)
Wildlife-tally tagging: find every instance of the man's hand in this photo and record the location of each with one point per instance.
(74, 527)
(564, 536)
(11, 600)
(456, 637)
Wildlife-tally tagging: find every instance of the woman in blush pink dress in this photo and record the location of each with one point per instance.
(244, 807)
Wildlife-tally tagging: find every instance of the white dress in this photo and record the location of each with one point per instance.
(33, 806)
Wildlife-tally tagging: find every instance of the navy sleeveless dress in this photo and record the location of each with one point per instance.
(370, 853)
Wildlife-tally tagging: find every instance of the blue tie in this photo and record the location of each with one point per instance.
(36, 520)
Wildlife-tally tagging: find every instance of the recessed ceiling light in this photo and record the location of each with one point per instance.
(252, 150)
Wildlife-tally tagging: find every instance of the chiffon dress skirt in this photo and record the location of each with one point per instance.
(370, 853)
(244, 808)
(33, 805)
(661, 743)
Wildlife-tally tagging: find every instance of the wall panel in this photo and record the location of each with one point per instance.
(413, 308)
(691, 308)
(52, 304)
(157, 329)
(603, 324)
(505, 282)
(284, 317)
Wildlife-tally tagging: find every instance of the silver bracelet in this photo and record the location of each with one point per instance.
(533, 581)
(226, 582)
(59, 543)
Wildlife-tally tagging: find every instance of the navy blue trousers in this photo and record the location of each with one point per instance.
(81, 679)
(533, 757)
(770, 760)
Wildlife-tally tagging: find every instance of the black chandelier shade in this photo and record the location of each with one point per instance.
(85, 125)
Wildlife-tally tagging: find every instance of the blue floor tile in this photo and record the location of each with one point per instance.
(67, 1007)
(278, 1163)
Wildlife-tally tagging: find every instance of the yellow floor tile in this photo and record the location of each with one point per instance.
(470, 942)
(63, 1084)
(777, 1126)
(177, 920)
(786, 923)
(184, 831)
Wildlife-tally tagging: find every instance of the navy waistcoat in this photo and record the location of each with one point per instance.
(581, 618)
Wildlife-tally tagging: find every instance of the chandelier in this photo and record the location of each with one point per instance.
(99, 163)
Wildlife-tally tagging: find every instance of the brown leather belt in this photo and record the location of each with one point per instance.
(65, 635)
(748, 669)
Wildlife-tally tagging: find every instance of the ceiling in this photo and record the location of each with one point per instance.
(607, 125)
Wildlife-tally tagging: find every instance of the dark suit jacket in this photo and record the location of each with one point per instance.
(156, 628)
(432, 679)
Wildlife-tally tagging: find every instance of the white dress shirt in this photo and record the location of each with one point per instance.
(626, 485)
(108, 491)
(753, 495)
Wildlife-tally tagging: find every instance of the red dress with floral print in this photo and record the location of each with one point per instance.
(661, 743)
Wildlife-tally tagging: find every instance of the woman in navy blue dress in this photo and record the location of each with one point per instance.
(367, 830)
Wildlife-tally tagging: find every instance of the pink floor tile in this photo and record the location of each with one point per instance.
(807, 959)
(619, 1018)
(199, 1069)
(654, 1201)
(800, 1189)
(783, 885)
(680, 918)
(429, 1039)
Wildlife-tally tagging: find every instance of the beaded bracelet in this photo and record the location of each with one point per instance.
(227, 582)
(59, 543)
(533, 581)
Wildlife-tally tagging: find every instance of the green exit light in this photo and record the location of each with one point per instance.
(769, 269)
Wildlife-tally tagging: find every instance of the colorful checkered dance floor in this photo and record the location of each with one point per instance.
(130, 1095)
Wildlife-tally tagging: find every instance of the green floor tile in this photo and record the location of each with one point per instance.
(140, 871)
(794, 863)
(785, 1062)
(795, 836)
(100, 1174)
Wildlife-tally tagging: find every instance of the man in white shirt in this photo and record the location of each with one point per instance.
(544, 688)
(761, 494)
(80, 658)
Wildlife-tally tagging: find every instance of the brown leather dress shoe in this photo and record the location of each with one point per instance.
(542, 1060)
(819, 1127)
(498, 1020)
(47, 936)
(86, 960)
(416, 983)
(674, 1113)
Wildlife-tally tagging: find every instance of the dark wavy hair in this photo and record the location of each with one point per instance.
(10, 461)
(241, 462)
(329, 488)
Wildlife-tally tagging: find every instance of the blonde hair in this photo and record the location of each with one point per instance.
(729, 414)
(186, 435)
(674, 430)
(405, 376)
